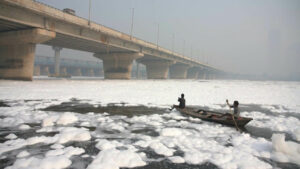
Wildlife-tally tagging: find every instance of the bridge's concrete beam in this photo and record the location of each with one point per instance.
(193, 72)
(156, 68)
(118, 65)
(179, 71)
(17, 51)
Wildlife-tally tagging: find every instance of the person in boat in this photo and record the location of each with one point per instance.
(235, 106)
(181, 101)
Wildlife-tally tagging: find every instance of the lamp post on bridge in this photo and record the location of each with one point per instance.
(89, 12)
(183, 47)
(132, 15)
(157, 33)
(173, 41)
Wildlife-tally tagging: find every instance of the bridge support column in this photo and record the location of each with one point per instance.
(63, 72)
(91, 72)
(56, 60)
(77, 72)
(157, 68)
(179, 71)
(192, 73)
(17, 50)
(118, 65)
(37, 70)
(45, 71)
(202, 74)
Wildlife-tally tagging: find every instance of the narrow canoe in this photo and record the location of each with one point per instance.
(215, 116)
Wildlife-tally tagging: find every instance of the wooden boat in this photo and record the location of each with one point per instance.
(217, 117)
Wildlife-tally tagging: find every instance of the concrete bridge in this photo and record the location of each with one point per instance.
(25, 23)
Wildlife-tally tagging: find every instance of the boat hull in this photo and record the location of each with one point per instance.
(217, 117)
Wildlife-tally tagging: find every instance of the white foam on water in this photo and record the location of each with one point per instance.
(66, 134)
(104, 144)
(73, 134)
(24, 127)
(11, 136)
(114, 159)
(57, 146)
(199, 141)
(176, 159)
(285, 151)
(67, 118)
(161, 149)
(280, 123)
(68, 152)
(23, 154)
(146, 92)
(53, 162)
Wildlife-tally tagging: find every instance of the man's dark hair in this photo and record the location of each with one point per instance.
(182, 95)
(235, 103)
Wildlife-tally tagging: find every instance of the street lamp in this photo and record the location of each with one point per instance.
(173, 40)
(131, 23)
(89, 12)
(157, 33)
(183, 47)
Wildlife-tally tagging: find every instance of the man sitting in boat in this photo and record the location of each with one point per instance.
(181, 101)
(235, 106)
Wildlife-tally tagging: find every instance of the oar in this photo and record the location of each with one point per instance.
(236, 126)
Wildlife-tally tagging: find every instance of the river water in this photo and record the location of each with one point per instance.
(96, 123)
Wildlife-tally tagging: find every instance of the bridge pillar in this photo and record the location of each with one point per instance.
(118, 65)
(91, 72)
(179, 71)
(56, 60)
(45, 71)
(156, 68)
(17, 50)
(77, 72)
(63, 72)
(202, 74)
(193, 72)
(37, 70)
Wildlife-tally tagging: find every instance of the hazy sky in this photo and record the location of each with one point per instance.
(248, 36)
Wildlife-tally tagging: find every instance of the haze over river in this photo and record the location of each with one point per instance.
(111, 124)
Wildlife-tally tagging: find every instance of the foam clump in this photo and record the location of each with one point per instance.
(57, 146)
(24, 127)
(297, 134)
(104, 144)
(285, 151)
(68, 152)
(115, 159)
(176, 159)
(53, 162)
(11, 136)
(173, 132)
(73, 134)
(161, 149)
(23, 154)
(49, 121)
(67, 118)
